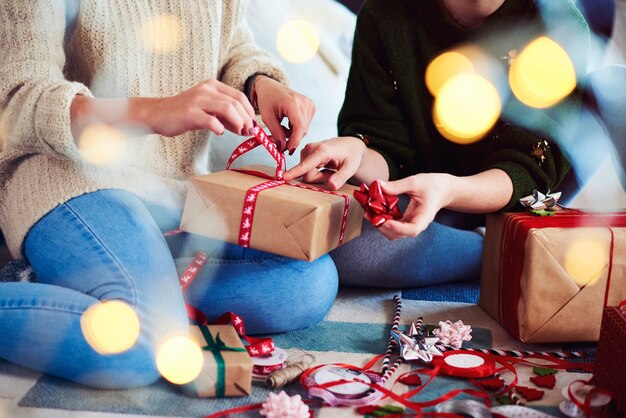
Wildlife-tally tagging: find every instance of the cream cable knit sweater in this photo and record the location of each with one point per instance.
(44, 64)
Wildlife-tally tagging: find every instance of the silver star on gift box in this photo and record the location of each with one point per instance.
(414, 346)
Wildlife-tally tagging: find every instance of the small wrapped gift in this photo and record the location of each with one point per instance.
(288, 220)
(610, 369)
(227, 369)
(547, 279)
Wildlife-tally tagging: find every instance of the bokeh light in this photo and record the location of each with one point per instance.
(542, 74)
(444, 67)
(101, 144)
(586, 258)
(110, 327)
(179, 359)
(466, 107)
(162, 34)
(298, 41)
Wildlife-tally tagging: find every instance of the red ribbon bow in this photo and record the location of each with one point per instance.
(379, 206)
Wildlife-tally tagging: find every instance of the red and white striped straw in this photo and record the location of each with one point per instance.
(516, 353)
(394, 327)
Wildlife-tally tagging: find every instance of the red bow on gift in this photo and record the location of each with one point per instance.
(378, 205)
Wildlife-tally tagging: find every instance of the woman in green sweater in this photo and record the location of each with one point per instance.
(387, 133)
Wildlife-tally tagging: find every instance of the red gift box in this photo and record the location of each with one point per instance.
(547, 279)
(610, 369)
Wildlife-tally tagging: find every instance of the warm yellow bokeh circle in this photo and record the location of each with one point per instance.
(542, 74)
(110, 327)
(444, 67)
(162, 34)
(586, 258)
(297, 41)
(466, 108)
(179, 359)
(101, 144)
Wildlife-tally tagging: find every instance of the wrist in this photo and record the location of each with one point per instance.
(257, 83)
(141, 111)
(446, 184)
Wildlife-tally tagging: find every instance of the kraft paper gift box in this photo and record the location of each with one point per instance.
(545, 278)
(227, 369)
(289, 221)
(610, 370)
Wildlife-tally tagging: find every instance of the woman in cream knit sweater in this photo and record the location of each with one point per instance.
(155, 76)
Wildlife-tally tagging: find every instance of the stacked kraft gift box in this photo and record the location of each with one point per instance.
(560, 279)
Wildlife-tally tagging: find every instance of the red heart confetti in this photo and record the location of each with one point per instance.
(411, 380)
(547, 381)
(530, 394)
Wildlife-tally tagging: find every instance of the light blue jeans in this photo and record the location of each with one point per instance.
(109, 245)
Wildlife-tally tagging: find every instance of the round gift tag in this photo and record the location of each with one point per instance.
(580, 391)
(335, 374)
(264, 365)
(469, 365)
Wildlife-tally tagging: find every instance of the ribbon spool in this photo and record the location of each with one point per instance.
(468, 365)
(351, 389)
(580, 391)
(264, 365)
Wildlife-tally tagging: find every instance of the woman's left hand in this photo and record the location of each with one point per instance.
(277, 101)
(428, 193)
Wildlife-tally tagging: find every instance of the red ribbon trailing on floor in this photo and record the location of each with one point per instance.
(256, 346)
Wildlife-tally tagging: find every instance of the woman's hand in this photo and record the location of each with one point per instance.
(276, 101)
(342, 156)
(211, 105)
(428, 193)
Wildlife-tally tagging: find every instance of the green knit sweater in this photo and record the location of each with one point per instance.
(388, 102)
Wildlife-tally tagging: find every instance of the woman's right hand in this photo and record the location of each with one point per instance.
(210, 105)
(341, 156)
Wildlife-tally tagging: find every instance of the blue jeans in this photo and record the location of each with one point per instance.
(108, 245)
(446, 251)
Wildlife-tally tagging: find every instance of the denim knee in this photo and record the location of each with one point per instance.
(311, 298)
(132, 369)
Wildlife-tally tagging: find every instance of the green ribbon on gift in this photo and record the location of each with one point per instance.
(216, 346)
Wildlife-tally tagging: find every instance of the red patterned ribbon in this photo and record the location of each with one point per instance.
(251, 197)
(192, 270)
(266, 370)
(514, 234)
(260, 138)
(256, 346)
(379, 206)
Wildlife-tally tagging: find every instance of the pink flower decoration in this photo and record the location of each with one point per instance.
(282, 406)
(453, 334)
